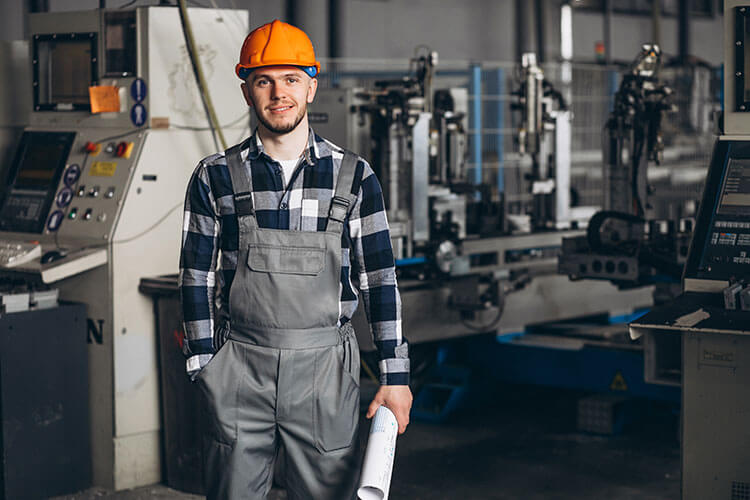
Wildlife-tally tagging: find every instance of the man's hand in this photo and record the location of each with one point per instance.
(396, 398)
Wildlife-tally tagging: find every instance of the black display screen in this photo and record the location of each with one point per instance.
(32, 183)
(735, 193)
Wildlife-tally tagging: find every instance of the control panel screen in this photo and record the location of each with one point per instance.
(33, 180)
(735, 193)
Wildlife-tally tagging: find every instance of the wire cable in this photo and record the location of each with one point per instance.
(151, 227)
(200, 80)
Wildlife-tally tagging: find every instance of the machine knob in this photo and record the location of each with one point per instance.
(124, 149)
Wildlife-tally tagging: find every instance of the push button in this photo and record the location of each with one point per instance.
(92, 148)
(72, 174)
(87, 214)
(284, 205)
(124, 149)
(82, 190)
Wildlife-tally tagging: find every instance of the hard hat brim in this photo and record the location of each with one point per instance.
(244, 70)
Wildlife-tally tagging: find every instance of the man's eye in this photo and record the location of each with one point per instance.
(261, 83)
(292, 80)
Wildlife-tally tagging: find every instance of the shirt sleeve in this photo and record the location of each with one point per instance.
(373, 252)
(197, 278)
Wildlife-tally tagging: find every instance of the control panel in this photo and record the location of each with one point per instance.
(721, 247)
(72, 190)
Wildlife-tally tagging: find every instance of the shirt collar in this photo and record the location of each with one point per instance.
(253, 148)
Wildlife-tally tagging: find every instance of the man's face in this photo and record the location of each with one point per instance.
(279, 95)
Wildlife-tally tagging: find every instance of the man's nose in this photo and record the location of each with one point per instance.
(275, 92)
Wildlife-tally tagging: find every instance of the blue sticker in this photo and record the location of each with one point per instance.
(72, 174)
(138, 115)
(54, 221)
(138, 90)
(64, 197)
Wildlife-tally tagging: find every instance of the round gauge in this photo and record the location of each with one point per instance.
(72, 174)
(64, 197)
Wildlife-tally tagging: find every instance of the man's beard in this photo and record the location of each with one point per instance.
(283, 129)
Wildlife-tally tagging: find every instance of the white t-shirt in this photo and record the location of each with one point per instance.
(288, 166)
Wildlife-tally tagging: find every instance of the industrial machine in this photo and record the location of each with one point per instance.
(636, 239)
(701, 340)
(467, 265)
(94, 196)
(544, 135)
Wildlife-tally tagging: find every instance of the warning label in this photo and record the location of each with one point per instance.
(618, 383)
(103, 168)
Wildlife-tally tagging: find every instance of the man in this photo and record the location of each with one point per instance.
(290, 217)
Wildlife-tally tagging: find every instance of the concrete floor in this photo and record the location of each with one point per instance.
(515, 443)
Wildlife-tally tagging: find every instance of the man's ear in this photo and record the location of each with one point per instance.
(311, 90)
(246, 93)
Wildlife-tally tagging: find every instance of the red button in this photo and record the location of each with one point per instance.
(90, 147)
(121, 149)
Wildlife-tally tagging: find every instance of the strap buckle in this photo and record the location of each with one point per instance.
(243, 203)
(339, 208)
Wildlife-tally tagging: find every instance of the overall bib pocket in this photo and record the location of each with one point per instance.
(308, 261)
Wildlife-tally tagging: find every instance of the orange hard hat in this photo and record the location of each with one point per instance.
(277, 44)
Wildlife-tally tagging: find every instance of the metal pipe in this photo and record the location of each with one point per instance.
(684, 31)
(476, 122)
(525, 27)
(500, 137)
(336, 27)
(312, 17)
(291, 12)
(38, 6)
(655, 24)
(607, 32)
(538, 17)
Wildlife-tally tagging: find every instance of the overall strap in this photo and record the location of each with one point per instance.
(343, 198)
(242, 184)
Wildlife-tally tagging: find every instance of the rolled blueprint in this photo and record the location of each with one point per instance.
(378, 464)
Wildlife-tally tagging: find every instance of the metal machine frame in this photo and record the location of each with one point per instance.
(128, 172)
(463, 268)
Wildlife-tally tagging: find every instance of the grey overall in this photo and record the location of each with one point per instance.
(286, 376)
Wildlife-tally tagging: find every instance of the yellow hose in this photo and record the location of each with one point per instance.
(202, 88)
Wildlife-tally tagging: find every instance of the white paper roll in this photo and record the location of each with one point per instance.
(377, 467)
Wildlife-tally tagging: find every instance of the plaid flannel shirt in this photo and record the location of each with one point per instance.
(211, 234)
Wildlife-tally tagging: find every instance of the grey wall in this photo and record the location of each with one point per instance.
(630, 32)
(457, 29)
(12, 20)
(468, 29)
